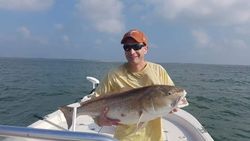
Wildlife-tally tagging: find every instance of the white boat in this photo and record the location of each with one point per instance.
(178, 126)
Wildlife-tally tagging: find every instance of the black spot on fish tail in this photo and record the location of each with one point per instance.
(123, 115)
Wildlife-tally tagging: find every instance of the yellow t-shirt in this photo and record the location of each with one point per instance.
(120, 79)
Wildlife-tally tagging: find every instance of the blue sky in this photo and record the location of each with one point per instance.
(183, 31)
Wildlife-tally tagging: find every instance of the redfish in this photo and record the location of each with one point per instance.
(133, 106)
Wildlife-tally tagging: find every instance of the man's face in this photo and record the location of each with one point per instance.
(135, 56)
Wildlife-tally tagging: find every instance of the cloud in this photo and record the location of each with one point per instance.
(214, 25)
(105, 15)
(201, 38)
(26, 36)
(65, 39)
(223, 12)
(59, 27)
(25, 32)
(26, 5)
(238, 43)
(242, 30)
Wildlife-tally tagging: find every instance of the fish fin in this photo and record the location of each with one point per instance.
(68, 113)
(139, 124)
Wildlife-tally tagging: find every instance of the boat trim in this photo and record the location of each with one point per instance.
(14, 131)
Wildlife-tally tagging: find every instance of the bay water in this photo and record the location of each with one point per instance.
(219, 95)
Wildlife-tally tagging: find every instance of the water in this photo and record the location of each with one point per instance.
(219, 95)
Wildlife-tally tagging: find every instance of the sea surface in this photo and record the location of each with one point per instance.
(219, 95)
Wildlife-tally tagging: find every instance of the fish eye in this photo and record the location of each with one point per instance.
(169, 93)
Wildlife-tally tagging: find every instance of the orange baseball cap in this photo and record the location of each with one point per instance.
(137, 35)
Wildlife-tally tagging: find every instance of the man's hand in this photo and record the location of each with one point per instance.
(103, 120)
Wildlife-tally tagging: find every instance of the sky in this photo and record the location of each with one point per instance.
(179, 31)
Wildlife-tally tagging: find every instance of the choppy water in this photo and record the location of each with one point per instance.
(219, 95)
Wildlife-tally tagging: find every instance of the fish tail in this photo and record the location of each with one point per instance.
(68, 113)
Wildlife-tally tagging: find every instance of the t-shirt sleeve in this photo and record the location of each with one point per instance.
(165, 77)
(104, 87)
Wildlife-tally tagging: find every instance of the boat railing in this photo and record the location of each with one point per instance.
(45, 134)
(95, 83)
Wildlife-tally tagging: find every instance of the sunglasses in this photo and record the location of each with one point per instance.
(128, 47)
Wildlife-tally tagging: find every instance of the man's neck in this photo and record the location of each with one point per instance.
(137, 67)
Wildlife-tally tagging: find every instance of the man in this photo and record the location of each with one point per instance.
(137, 72)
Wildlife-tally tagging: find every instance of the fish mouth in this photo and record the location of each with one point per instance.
(181, 101)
